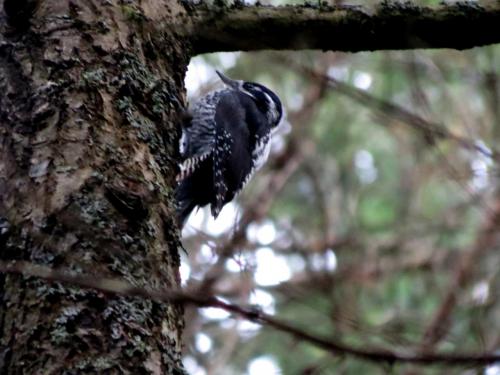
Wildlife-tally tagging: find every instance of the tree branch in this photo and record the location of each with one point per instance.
(487, 240)
(115, 286)
(431, 131)
(387, 26)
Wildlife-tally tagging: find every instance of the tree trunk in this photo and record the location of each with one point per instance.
(88, 105)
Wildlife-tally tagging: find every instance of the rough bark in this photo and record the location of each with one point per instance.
(388, 26)
(89, 94)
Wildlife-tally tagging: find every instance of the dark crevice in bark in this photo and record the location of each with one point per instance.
(19, 12)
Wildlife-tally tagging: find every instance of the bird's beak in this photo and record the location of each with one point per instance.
(228, 81)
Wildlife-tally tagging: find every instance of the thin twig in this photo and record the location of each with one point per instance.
(430, 130)
(115, 286)
(487, 240)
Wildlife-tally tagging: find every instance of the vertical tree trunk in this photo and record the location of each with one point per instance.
(89, 96)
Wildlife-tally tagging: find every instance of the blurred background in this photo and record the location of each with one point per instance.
(375, 221)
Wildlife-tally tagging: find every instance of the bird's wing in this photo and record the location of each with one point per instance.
(260, 135)
(189, 165)
(198, 134)
(259, 157)
(232, 157)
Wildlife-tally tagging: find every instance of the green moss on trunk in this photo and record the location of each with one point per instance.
(89, 104)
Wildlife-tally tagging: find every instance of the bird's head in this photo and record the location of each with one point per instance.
(266, 100)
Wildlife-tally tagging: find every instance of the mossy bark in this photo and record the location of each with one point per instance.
(89, 97)
(388, 25)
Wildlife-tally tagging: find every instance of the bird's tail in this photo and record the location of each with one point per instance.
(184, 209)
(184, 203)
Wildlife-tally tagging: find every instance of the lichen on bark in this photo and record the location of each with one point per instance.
(386, 25)
(88, 105)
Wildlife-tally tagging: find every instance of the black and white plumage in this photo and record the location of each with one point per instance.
(225, 139)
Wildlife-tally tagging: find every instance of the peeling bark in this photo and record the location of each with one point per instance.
(89, 98)
(388, 26)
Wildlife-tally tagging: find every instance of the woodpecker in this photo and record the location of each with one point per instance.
(226, 137)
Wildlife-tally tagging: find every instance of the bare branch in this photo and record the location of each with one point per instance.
(114, 286)
(487, 240)
(387, 26)
(431, 131)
